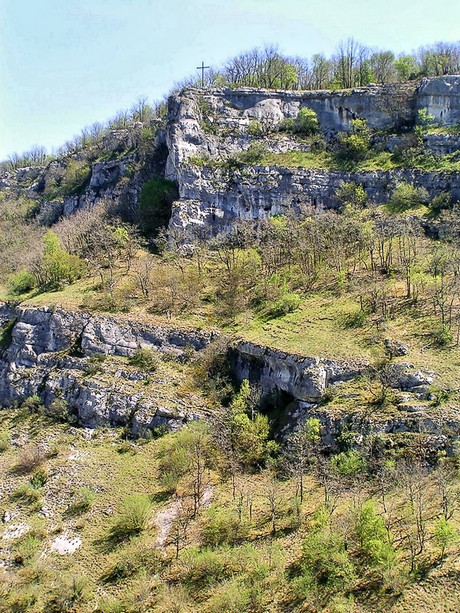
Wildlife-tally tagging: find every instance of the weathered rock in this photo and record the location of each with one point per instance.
(440, 97)
(213, 199)
(49, 353)
(215, 124)
(216, 121)
(47, 356)
(395, 348)
(300, 377)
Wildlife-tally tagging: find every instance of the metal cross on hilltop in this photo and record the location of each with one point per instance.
(202, 68)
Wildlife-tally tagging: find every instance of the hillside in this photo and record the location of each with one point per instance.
(229, 358)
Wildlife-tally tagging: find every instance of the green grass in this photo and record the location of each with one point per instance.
(381, 161)
(313, 329)
(318, 328)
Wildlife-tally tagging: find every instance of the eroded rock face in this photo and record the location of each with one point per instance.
(49, 355)
(441, 98)
(218, 121)
(216, 124)
(212, 199)
(48, 352)
(121, 168)
(304, 379)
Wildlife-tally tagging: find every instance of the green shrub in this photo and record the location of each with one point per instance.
(6, 334)
(287, 125)
(355, 144)
(156, 198)
(94, 363)
(33, 404)
(132, 517)
(205, 566)
(22, 599)
(21, 282)
(253, 155)
(5, 439)
(286, 303)
(27, 494)
(69, 592)
(426, 120)
(348, 463)
(232, 597)
(356, 319)
(373, 536)
(83, 500)
(73, 179)
(39, 478)
(444, 534)
(145, 359)
(326, 567)
(442, 335)
(222, 526)
(128, 565)
(255, 128)
(57, 266)
(406, 196)
(58, 410)
(439, 395)
(110, 604)
(442, 202)
(306, 122)
(27, 547)
(351, 195)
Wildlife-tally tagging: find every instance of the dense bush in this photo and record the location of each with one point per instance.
(21, 282)
(133, 516)
(83, 500)
(57, 266)
(156, 198)
(406, 196)
(355, 144)
(286, 303)
(222, 526)
(326, 567)
(145, 359)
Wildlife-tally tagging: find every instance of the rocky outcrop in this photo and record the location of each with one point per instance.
(430, 430)
(442, 144)
(47, 354)
(209, 126)
(214, 198)
(277, 372)
(297, 386)
(218, 122)
(113, 170)
(440, 97)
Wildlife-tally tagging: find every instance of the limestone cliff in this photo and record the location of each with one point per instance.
(206, 126)
(215, 124)
(47, 353)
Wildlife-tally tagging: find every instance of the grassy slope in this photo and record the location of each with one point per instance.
(159, 582)
(317, 328)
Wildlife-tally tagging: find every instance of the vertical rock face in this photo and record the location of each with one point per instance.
(212, 199)
(218, 122)
(209, 126)
(301, 378)
(46, 353)
(440, 97)
(123, 163)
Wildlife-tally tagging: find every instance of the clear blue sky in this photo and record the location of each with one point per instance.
(65, 64)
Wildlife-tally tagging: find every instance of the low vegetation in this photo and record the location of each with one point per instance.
(362, 530)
